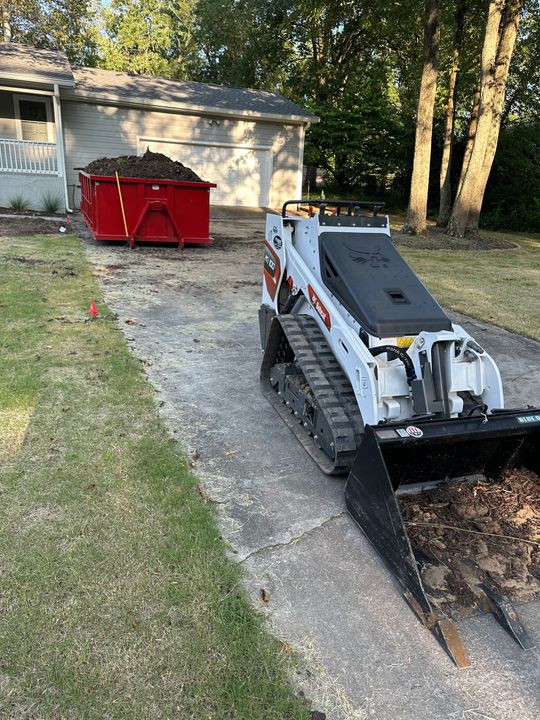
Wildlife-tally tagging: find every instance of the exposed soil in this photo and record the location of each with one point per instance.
(478, 532)
(26, 226)
(148, 166)
(436, 239)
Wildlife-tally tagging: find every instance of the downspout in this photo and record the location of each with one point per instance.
(305, 128)
(60, 142)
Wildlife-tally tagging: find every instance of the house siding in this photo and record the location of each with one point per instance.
(93, 131)
(32, 188)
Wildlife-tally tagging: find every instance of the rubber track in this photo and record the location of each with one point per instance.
(299, 335)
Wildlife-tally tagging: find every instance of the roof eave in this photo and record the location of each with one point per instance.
(111, 99)
(37, 80)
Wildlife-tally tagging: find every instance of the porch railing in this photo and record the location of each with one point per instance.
(26, 156)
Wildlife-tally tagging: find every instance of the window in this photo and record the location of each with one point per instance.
(33, 118)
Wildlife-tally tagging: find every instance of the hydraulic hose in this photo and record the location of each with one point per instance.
(399, 354)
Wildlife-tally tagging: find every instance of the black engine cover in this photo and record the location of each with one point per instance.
(375, 284)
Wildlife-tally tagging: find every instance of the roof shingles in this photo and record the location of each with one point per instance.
(32, 65)
(130, 87)
(25, 63)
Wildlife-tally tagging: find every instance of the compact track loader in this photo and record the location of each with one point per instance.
(376, 382)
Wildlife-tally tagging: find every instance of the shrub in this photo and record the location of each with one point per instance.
(51, 203)
(18, 203)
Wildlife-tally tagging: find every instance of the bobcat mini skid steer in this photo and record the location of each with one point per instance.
(376, 382)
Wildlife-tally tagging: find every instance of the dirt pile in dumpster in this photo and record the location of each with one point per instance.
(151, 166)
(475, 532)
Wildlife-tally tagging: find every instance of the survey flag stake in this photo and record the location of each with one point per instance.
(93, 309)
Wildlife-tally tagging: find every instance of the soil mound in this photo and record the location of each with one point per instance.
(437, 239)
(475, 532)
(148, 166)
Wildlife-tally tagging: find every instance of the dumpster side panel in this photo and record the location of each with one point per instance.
(156, 210)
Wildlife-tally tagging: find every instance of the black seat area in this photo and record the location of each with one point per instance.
(375, 284)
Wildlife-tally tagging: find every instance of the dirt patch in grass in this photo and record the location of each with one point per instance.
(23, 226)
(150, 165)
(478, 532)
(436, 239)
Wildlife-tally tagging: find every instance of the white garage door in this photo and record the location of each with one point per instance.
(242, 173)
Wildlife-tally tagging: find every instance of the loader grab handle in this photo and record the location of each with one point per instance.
(351, 205)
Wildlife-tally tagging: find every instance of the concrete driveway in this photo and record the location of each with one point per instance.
(192, 318)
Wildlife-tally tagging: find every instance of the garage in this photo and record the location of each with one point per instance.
(244, 171)
(249, 142)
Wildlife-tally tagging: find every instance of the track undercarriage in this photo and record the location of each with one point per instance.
(304, 382)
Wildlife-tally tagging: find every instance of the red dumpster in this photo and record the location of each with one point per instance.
(169, 211)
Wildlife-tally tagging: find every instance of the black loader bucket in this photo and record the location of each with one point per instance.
(394, 458)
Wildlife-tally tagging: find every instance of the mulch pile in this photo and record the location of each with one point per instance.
(148, 166)
(463, 525)
(436, 239)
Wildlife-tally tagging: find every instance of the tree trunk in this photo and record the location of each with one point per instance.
(504, 54)
(445, 202)
(471, 134)
(310, 181)
(6, 21)
(415, 223)
(499, 42)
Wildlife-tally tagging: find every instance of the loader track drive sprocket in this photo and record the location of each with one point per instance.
(377, 383)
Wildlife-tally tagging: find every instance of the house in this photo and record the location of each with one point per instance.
(55, 118)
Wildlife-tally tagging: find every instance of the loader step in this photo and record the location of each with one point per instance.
(304, 382)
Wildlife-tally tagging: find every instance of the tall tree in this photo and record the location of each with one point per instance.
(68, 25)
(445, 201)
(499, 40)
(6, 20)
(471, 134)
(417, 211)
(148, 37)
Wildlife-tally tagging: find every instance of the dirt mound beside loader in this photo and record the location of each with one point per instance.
(478, 533)
(148, 166)
(437, 239)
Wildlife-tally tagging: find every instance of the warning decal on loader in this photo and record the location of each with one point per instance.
(322, 312)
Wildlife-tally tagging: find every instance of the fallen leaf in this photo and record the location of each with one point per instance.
(265, 597)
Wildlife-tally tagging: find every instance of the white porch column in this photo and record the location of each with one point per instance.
(60, 143)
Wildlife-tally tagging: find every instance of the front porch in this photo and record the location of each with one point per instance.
(31, 147)
(28, 157)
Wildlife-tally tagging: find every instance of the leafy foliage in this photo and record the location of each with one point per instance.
(150, 37)
(512, 200)
(355, 64)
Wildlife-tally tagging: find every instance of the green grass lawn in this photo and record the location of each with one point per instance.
(116, 599)
(501, 286)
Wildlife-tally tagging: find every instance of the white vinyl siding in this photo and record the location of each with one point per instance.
(269, 168)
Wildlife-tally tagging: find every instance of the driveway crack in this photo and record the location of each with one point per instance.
(295, 538)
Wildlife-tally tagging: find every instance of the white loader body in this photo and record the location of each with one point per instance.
(381, 387)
